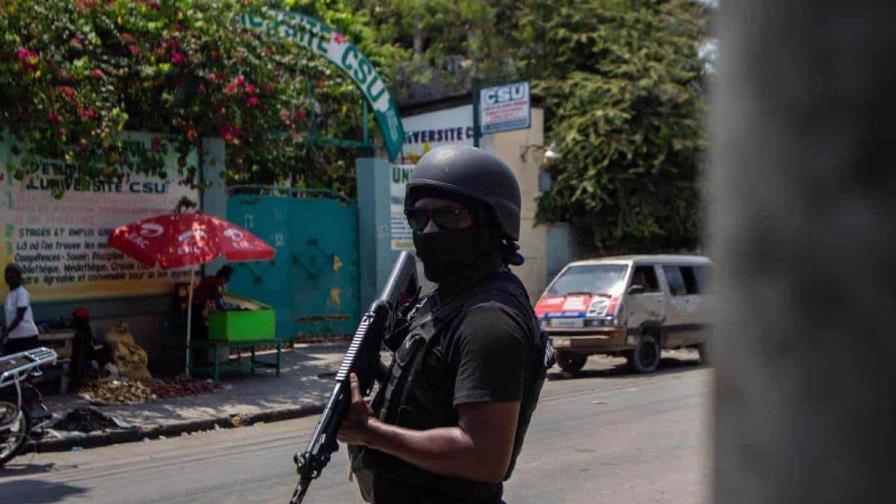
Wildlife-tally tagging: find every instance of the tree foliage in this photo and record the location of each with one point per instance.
(74, 74)
(623, 80)
(624, 91)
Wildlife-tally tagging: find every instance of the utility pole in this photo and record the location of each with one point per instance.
(803, 205)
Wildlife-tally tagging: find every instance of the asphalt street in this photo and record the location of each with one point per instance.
(603, 436)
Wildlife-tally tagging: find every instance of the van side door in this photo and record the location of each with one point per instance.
(648, 306)
(677, 323)
(696, 279)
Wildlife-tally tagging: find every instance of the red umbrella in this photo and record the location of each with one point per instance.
(189, 239)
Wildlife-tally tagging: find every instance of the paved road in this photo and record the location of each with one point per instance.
(602, 437)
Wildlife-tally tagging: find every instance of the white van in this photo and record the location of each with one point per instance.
(633, 306)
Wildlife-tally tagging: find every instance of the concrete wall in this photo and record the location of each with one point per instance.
(803, 204)
(511, 146)
(376, 256)
(145, 315)
(560, 248)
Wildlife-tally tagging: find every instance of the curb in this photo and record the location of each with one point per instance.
(95, 440)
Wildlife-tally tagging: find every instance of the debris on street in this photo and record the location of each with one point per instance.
(181, 387)
(85, 420)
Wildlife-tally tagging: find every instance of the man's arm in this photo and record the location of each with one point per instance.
(20, 315)
(479, 448)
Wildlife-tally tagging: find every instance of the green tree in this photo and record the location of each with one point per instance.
(624, 87)
(444, 43)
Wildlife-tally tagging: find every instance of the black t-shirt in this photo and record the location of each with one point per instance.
(487, 352)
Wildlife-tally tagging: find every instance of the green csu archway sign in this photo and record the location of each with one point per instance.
(326, 42)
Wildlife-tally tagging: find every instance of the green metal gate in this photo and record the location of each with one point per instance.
(313, 281)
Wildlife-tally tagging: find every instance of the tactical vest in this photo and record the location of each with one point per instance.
(408, 399)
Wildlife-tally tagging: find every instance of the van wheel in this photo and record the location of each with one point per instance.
(646, 357)
(571, 363)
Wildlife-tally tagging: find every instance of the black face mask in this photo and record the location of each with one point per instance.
(456, 256)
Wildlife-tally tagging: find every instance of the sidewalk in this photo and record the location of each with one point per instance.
(304, 386)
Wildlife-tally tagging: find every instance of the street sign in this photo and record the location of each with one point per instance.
(504, 108)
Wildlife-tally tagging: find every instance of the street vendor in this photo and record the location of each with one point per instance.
(209, 294)
(19, 333)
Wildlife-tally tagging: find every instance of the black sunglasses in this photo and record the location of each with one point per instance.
(444, 217)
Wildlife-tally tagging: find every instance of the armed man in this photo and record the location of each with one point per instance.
(448, 424)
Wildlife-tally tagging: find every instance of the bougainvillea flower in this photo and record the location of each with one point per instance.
(229, 133)
(68, 92)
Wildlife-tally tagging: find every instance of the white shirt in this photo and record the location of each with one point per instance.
(19, 298)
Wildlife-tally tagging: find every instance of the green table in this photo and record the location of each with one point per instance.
(234, 364)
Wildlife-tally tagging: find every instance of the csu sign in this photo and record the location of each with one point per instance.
(504, 108)
(326, 42)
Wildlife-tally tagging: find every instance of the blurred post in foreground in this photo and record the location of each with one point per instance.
(803, 233)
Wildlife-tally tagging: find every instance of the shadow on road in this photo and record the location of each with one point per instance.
(25, 469)
(36, 491)
(668, 365)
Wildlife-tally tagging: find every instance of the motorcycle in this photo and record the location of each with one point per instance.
(23, 414)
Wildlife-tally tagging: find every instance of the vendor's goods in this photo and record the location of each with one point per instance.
(130, 359)
(117, 392)
(181, 387)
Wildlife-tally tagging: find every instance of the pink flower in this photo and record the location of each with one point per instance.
(192, 135)
(229, 133)
(126, 38)
(27, 60)
(178, 58)
(231, 89)
(53, 118)
(252, 101)
(239, 80)
(338, 38)
(85, 5)
(134, 50)
(98, 74)
(154, 6)
(68, 92)
(250, 89)
(86, 113)
(77, 42)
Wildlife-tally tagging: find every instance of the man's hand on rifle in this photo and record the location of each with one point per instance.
(355, 428)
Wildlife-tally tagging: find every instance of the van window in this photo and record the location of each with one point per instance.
(675, 280)
(646, 276)
(704, 277)
(589, 279)
(691, 285)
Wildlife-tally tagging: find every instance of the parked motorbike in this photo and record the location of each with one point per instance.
(23, 414)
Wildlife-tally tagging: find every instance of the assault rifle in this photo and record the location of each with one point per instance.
(386, 314)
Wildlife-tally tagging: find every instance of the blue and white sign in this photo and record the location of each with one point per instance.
(504, 108)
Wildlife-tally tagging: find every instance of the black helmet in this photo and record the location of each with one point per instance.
(471, 173)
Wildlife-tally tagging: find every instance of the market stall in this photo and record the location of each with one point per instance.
(243, 324)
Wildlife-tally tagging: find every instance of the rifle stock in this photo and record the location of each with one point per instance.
(363, 359)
